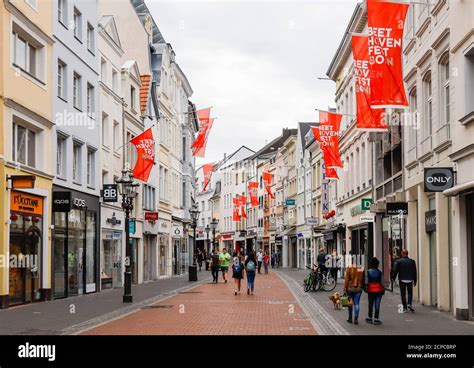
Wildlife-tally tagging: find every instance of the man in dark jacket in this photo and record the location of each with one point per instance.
(405, 268)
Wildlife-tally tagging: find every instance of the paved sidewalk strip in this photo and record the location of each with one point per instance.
(425, 321)
(213, 309)
(323, 322)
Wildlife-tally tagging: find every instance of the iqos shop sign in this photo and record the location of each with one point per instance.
(438, 179)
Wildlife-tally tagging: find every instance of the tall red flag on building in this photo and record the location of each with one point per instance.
(327, 135)
(243, 203)
(208, 169)
(204, 120)
(145, 145)
(236, 214)
(267, 178)
(253, 193)
(386, 21)
(200, 150)
(367, 118)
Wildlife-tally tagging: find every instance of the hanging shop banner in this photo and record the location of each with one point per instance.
(331, 173)
(204, 120)
(145, 146)
(200, 150)
(367, 118)
(267, 178)
(243, 203)
(386, 21)
(236, 214)
(253, 192)
(327, 135)
(208, 169)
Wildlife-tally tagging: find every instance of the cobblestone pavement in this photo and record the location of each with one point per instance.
(213, 309)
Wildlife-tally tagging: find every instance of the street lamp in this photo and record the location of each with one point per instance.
(214, 224)
(128, 189)
(194, 213)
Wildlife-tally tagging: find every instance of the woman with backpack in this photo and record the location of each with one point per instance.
(250, 267)
(237, 272)
(375, 290)
(215, 266)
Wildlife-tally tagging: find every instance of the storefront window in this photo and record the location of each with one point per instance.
(163, 245)
(75, 254)
(90, 252)
(60, 235)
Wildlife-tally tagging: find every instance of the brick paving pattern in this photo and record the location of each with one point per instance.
(213, 309)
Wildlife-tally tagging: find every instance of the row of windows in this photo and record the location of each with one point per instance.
(76, 24)
(77, 86)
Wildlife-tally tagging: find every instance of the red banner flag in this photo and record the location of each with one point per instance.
(208, 169)
(243, 203)
(331, 173)
(386, 21)
(367, 118)
(145, 146)
(253, 192)
(327, 134)
(204, 118)
(267, 178)
(236, 215)
(201, 149)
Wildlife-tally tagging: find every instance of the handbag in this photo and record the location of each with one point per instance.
(346, 301)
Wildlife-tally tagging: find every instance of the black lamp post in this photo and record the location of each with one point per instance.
(214, 224)
(129, 190)
(194, 213)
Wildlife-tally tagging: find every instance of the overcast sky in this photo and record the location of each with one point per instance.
(255, 62)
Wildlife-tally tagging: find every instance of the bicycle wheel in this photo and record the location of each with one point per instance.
(307, 284)
(329, 283)
(317, 283)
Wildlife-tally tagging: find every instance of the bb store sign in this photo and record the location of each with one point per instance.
(438, 179)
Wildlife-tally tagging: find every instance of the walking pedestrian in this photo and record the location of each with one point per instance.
(353, 286)
(405, 268)
(224, 259)
(321, 260)
(215, 264)
(200, 258)
(250, 268)
(237, 272)
(259, 260)
(375, 291)
(266, 261)
(273, 260)
(334, 265)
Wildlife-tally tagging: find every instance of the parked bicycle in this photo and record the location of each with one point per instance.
(318, 280)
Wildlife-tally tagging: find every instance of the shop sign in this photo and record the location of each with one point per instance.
(26, 203)
(132, 226)
(109, 193)
(177, 231)
(356, 210)
(312, 221)
(164, 226)
(227, 236)
(290, 202)
(117, 234)
(438, 179)
(324, 194)
(365, 204)
(151, 216)
(22, 181)
(397, 208)
(430, 221)
(79, 203)
(367, 219)
(61, 201)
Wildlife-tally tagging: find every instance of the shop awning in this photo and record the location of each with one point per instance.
(290, 231)
(459, 189)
